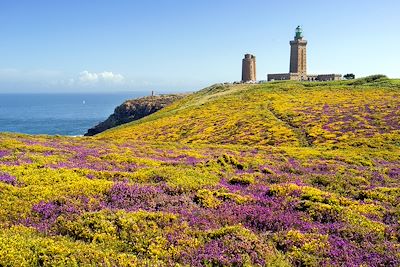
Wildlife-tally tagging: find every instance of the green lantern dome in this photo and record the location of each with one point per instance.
(299, 33)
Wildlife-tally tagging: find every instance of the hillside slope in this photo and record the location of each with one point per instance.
(289, 114)
(279, 174)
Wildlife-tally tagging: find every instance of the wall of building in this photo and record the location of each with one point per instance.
(294, 55)
(329, 77)
(278, 77)
(298, 77)
(312, 78)
(298, 57)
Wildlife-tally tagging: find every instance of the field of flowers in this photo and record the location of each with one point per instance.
(280, 174)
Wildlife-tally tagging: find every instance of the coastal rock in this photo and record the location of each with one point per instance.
(134, 109)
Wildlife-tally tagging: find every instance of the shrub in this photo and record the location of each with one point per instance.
(207, 199)
(231, 246)
(243, 179)
(369, 79)
(213, 199)
(227, 160)
(303, 249)
(321, 212)
(21, 246)
(145, 234)
(7, 178)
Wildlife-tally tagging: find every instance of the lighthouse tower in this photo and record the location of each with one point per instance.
(298, 55)
(298, 64)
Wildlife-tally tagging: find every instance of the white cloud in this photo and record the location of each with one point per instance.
(87, 77)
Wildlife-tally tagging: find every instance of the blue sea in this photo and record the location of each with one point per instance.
(57, 114)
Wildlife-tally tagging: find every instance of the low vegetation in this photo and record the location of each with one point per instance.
(277, 174)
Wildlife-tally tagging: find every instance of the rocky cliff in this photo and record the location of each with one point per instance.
(134, 109)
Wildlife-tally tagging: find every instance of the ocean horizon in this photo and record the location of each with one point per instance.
(70, 114)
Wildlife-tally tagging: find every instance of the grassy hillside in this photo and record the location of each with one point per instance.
(279, 174)
(279, 114)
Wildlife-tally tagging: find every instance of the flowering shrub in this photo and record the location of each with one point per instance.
(230, 246)
(8, 179)
(244, 179)
(279, 174)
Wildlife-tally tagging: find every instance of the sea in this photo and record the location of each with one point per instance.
(58, 114)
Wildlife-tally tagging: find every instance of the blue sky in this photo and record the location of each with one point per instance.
(182, 45)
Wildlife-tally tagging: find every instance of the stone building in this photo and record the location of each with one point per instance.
(298, 63)
(249, 68)
(298, 55)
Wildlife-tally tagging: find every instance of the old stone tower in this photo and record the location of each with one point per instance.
(298, 55)
(249, 68)
(298, 64)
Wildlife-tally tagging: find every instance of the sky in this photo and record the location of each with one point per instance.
(183, 45)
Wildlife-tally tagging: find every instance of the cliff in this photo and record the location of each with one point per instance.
(134, 109)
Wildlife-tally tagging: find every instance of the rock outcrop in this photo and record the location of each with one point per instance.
(134, 109)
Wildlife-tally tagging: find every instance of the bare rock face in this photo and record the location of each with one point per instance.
(134, 109)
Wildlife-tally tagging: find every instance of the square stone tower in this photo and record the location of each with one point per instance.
(298, 64)
(298, 55)
(249, 68)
